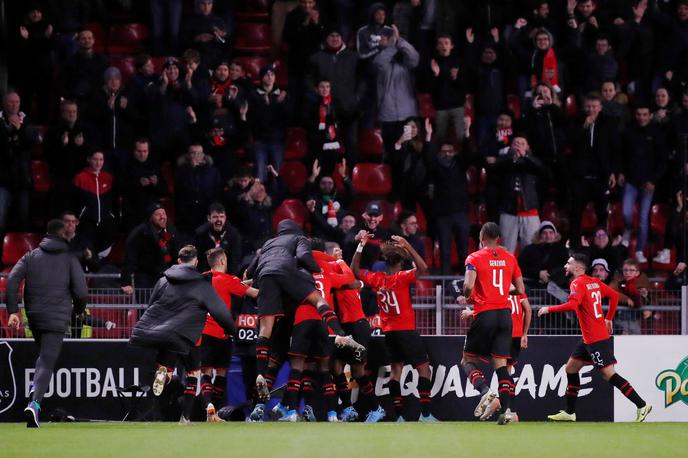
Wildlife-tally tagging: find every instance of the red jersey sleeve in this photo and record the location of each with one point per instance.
(613, 300)
(235, 287)
(575, 299)
(407, 276)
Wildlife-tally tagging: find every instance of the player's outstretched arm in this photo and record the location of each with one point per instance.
(421, 266)
(356, 260)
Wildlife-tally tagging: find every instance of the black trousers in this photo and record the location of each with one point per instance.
(49, 347)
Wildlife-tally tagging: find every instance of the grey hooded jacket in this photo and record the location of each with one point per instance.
(54, 283)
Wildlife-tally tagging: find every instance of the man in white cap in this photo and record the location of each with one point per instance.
(600, 270)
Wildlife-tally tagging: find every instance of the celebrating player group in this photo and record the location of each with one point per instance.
(299, 302)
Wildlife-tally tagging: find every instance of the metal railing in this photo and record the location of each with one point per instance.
(113, 314)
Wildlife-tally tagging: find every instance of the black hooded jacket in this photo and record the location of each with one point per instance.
(283, 254)
(54, 281)
(177, 312)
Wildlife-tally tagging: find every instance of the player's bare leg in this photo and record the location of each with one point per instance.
(573, 366)
(609, 374)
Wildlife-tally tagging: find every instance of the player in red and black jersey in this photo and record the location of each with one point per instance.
(349, 309)
(521, 314)
(310, 340)
(489, 273)
(596, 347)
(403, 341)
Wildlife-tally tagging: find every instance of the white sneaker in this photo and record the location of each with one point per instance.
(183, 421)
(492, 408)
(211, 414)
(663, 257)
(640, 257)
(485, 401)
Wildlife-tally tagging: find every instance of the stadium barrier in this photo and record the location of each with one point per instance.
(433, 298)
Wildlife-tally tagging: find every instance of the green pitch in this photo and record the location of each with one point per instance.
(164, 440)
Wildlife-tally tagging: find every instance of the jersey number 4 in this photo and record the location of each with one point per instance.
(498, 280)
(388, 300)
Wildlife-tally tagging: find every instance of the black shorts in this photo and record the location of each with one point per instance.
(192, 360)
(515, 351)
(215, 353)
(310, 339)
(295, 285)
(361, 333)
(490, 335)
(600, 354)
(406, 347)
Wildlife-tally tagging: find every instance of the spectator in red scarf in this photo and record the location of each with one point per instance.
(152, 247)
(325, 145)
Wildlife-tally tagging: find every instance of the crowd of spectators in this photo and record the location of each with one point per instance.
(564, 104)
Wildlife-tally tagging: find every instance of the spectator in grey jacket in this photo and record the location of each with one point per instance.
(54, 281)
(396, 95)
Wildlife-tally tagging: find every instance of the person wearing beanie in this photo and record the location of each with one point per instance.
(339, 65)
(543, 260)
(151, 247)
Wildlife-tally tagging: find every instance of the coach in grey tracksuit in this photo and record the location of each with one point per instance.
(54, 285)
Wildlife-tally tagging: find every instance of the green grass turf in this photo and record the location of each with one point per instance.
(269, 440)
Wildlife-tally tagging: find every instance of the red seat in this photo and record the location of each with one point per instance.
(658, 219)
(118, 252)
(473, 180)
(615, 222)
(15, 244)
(571, 107)
(126, 66)
(428, 246)
(550, 212)
(588, 222)
(252, 66)
(370, 143)
(426, 108)
(290, 209)
(281, 73)
(41, 176)
(294, 174)
(253, 38)
(127, 38)
(168, 176)
(252, 10)
(454, 259)
(420, 215)
(477, 214)
(296, 143)
(513, 103)
(99, 36)
(372, 179)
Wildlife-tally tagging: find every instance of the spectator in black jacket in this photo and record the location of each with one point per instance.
(144, 184)
(371, 220)
(81, 247)
(601, 64)
(490, 149)
(448, 82)
(448, 191)
(303, 32)
(543, 260)
(593, 164)
(408, 226)
(519, 173)
(488, 86)
(612, 251)
(197, 185)
(323, 228)
(152, 247)
(15, 161)
(321, 188)
(409, 170)
(136, 92)
(206, 32)
(267, 116)
(83, 73)
(642, 166)
(218, 232)
(112, 116)
(339, 65)
(545, 125)
(323, 128)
